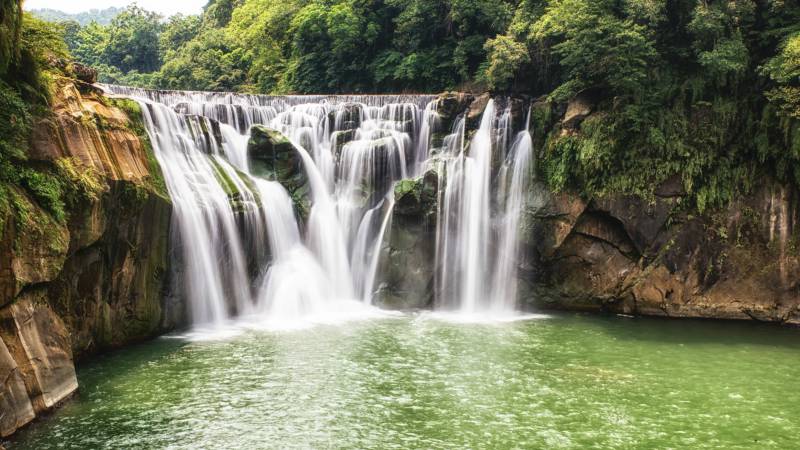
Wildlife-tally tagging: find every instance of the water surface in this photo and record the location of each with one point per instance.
(568, 381)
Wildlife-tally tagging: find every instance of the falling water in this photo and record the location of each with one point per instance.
(243, 250)
(475, 276)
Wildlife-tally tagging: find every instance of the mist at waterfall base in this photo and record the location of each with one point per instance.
(243, 254)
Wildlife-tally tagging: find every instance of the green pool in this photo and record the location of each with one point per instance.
(415, 381)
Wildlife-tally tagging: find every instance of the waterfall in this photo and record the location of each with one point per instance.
(242, 248)
(477, 242)
(205, 223)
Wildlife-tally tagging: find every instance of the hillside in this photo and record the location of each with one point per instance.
(100, 16)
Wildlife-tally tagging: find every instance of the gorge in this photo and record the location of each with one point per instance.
(293, 211)
(574, 227)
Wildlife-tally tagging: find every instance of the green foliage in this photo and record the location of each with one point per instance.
(15, 123)
(505, 57)
(85, 183)
(784, 71)
(44, 41)
(596, 47)
(178, 31)
(88, 44)
(707, 92)
(10, 22)
(209, 62)
(133, 41)
(47, 189)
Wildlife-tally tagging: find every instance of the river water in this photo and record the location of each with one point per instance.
(423, 381)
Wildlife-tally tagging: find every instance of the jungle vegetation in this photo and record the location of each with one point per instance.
(704, 90)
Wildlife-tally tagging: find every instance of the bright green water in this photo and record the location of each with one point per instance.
(569, 381)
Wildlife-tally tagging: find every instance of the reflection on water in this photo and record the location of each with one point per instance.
(562, 381)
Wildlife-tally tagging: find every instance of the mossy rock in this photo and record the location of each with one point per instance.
(274, 157)
(417, 197)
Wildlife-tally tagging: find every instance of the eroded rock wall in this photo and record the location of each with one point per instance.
(624, 254)
(94, 280)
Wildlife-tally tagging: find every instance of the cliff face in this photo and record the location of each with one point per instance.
(623, 254)
(95, 280)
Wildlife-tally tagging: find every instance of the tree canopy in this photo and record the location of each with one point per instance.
(698, 89)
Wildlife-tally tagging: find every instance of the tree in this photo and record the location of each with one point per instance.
(784, 71)
(178, 31)
(208, 62)
(133, 41)
(505, 57)
(596, 47)
(89, 44)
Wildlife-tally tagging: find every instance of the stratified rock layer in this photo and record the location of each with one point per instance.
(625, 254)
(94, 280)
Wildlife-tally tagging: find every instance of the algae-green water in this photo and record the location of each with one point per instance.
(416, 382)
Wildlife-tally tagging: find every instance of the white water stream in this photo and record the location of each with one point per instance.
(244, 252)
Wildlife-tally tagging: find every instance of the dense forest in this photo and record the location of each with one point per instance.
(704, 90)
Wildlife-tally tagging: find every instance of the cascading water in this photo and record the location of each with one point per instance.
(475, 276)
(242, 248)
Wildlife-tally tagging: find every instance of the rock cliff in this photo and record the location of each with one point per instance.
(94, 279)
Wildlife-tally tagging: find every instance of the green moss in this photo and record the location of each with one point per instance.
(404, 187)
(86, 184)
(48, 189)
(35, 222)
(224, 179)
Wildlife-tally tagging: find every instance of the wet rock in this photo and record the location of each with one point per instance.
(273, 152)
(409, 250)
(476, 109)
(346, 117)
(340, 139)
(274, 157)
(450, 105)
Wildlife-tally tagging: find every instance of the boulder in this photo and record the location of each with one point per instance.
(84, 73)
(476, 109)
(340, 139)
(273, 156)
(578, 109)
(346, 116)
(450, 105)
(409, 250)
